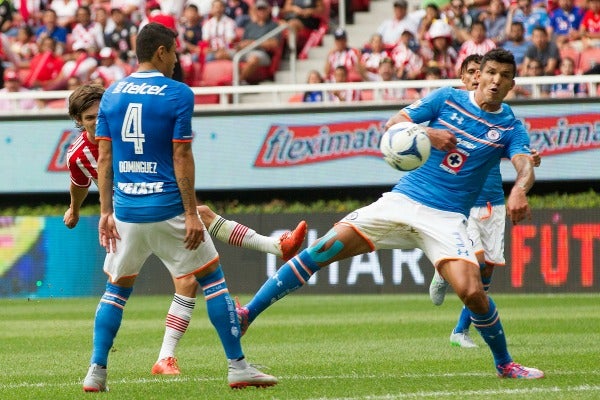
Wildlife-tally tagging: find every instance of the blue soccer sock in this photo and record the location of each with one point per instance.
(490, 328)
(291, 276)
(108, 321)
(221, 312)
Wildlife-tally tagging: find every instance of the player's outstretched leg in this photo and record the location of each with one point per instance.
(460, 334)
(107, 322)
(490, 328)
(291, 276)
(221, 313)
(236, 234)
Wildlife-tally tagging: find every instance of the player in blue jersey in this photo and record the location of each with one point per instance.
(82, 163)
(428, 208)
(485, 226)
(148, 204)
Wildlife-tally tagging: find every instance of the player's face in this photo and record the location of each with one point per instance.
(495, 81)
(468, 77)
(88, 119)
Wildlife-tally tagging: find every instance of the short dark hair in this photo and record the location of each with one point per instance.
(476, 58)
(150, 38)
(500, 56)
(81, 99)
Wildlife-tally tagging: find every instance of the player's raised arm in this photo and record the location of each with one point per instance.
(517, 206)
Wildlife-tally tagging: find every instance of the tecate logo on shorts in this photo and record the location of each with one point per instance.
(144, 88)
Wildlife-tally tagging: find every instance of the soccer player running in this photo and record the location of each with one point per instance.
(485, 226)
(470, 132)
(82, 159)
(145, 157)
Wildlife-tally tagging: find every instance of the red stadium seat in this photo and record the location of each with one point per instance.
(589, 58)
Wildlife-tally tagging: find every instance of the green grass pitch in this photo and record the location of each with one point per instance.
(379, 347)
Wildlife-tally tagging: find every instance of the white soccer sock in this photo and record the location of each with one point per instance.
(176, 324)
(240, 235)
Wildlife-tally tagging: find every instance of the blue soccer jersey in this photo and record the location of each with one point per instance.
(142, 115)
(452, 180)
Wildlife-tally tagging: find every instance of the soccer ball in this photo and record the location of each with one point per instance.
(405, 146)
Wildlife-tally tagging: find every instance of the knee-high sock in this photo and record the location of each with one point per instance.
(221, 312)
(464, 319)
(291, 276)
(490, 328)
(108, 321)
(176, 324)
(240, 235)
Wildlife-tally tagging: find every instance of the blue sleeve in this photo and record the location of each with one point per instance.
(184, 110)
(427, 108)
(519, 143)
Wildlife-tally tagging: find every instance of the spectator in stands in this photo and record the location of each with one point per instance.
(82, 66)
(438, 50)
(530, 14)
(12, 84)
(87, 33)
(494, 19)
(261, 55)
(191, 26)
(543, 50)
(51, 28)
(65, 12)
(239, 11)
(432, 13)
(340, 75)
(134, 10)
(110, 70)
(531, 68)
(372, 55)
(24, 47)
(342, 54)
(313, 96)
(460, 20)
(6, 16)
(590, 25)
(303, 14)
(478, 44)
(387, 73)
(516, 44)
(120, 35)
(567, 90)
(45, 66)
(204, 6)
(101, 17)
(432, 73)
(408, 64)
(219, 33)
(391, 29)
(565, 22)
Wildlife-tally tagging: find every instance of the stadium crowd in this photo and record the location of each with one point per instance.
(60, 44)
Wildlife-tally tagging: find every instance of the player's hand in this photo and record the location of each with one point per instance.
(535, 156)
(194, 231)
(70, 218)
(442, 139)
(517, 206)
(107, 233)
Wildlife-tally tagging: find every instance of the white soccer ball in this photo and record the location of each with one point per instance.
(405, 146)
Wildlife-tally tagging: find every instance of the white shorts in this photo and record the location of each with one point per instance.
(398, 222)
(163, 239)
(486, 230)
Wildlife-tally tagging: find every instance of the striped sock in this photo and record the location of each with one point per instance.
(464, 320)
(291, 276)
(490, 328)
(178, 319)
(108, 321)
(221, 312)
(236, 234)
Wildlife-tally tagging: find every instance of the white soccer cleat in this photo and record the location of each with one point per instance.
(437, 289)
(95, 380)
(240, 378)
(462, 339)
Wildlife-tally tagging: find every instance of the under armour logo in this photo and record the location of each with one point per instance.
(455, 117)
(276, 277)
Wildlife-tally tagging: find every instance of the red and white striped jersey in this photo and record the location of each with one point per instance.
(470, 47)
(219, 33)
(348, 57)
(82, 160)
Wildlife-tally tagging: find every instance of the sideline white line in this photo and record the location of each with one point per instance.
(177, 379)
